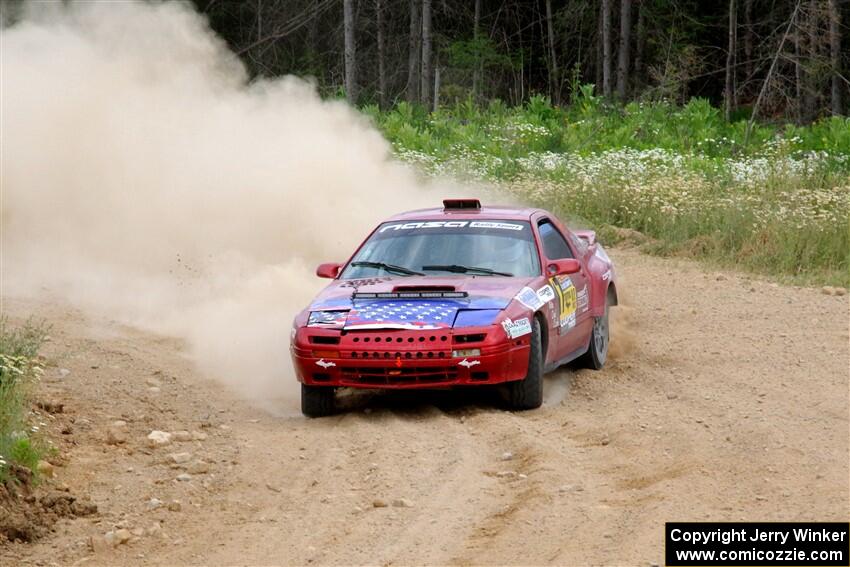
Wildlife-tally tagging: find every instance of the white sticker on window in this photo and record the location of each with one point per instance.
(424, 224)
(499, 225)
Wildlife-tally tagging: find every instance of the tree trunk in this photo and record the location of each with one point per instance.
(382, 69)
(313, 33)
(259, 19)
(607, 86)
(835, 56)
(426, 53)
(791, 22)
(625, 44)
(641, 38)
(798, 79)
(748, 38)
(476, 73)
(598, 58)
(809, 78)
(729, 92)
(554, 82)
(350, 61)
(436, 87)
(412, 90)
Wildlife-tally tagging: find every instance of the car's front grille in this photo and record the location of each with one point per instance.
(392, 345)
(398, 355)
(393, 375)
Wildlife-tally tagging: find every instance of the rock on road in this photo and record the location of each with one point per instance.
(727, 400)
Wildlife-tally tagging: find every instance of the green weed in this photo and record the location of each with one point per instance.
(20, 369)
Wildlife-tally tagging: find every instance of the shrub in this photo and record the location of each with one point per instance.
(19, 370)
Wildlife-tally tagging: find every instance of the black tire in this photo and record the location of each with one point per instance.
(527, 393)
(317, 401)
(600, 339)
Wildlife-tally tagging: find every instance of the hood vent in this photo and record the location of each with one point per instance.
(414, 293)
(420, 288)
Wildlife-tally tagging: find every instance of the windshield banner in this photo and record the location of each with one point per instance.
(452, 224)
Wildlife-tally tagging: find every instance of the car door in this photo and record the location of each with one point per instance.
(570, 291)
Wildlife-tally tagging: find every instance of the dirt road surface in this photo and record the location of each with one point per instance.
(731, 403)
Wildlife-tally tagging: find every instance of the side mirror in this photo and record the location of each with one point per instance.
(328, 270)
(565, 266)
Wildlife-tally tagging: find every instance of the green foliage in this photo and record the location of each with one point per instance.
(680, 174)
(19, 370)
(23, 341)
(469, 53)
(24, 453)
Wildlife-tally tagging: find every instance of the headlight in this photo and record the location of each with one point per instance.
(327, 318)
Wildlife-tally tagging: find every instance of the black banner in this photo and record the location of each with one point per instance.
(757, 543)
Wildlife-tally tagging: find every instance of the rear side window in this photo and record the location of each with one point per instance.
(554, 245)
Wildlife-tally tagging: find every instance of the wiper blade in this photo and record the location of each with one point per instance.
(465, 269)
(388, 267)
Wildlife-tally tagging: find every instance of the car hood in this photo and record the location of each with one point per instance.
(372, 303)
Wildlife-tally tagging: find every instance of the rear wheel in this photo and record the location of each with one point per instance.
(527, 393)
(600, 338)
(317, 401)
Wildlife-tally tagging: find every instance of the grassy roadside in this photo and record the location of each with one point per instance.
(20, 370)
(776, 203)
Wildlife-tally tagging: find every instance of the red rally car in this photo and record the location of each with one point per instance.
(462, 295)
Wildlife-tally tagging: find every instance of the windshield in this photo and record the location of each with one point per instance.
(481, 247)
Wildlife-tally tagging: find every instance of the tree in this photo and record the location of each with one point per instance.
(313, 40)
(425, 88)
(623, 56)
(382, 69)
(641, 37)
(729, 91)
(798, 78)
(412, 89)
(810, 85)
(350, 61)
(791, 23)
(606, 49)
(835, 56)
(382, 50)
(554, 83)
(597, 62)
(748, 38)
(476, 73)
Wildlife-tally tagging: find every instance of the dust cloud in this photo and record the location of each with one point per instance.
(145, 178)
(623, 325)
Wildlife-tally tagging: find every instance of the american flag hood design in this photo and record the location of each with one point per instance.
(413, 302)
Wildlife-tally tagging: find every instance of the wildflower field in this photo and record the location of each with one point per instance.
(776, 201)
(20, 369)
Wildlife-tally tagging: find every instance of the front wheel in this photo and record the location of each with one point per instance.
(317, 401)
(527, 393)
(600, 338)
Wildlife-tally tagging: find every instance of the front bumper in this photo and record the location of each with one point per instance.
(404, 359)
